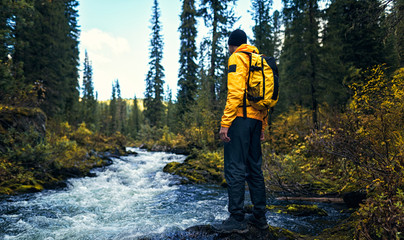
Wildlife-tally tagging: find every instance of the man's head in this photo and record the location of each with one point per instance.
(236, 38)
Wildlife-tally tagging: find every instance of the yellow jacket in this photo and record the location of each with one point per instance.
(236, 84)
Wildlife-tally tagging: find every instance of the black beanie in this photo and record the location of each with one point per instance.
(237, 37)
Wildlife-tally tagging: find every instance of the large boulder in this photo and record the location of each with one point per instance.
(199, 168)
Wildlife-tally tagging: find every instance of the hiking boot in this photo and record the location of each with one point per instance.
(231, 225)
(260, 223)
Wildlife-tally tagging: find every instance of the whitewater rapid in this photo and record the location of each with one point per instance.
(131, 198)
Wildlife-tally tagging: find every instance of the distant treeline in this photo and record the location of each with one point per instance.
(320, 52)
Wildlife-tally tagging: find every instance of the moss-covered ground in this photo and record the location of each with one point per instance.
(199, 167)
(36, 154)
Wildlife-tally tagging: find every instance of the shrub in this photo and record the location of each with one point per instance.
(367, 146)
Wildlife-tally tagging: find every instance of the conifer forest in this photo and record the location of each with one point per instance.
(337, 129)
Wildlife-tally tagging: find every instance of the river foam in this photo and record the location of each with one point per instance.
(129, 199)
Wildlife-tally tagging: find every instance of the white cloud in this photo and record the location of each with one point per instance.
(97, 40)
(112, 57)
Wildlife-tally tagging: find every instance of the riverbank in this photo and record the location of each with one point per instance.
(132, 199)
(38, 155)
(207, 168)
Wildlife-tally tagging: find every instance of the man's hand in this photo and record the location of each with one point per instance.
(223, 134)
(262, 138)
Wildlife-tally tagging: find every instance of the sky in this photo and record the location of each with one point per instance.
(116, 36)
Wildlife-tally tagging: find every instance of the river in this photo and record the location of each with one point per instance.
(129, 199)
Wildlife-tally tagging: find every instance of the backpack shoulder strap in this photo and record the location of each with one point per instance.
(248, 80)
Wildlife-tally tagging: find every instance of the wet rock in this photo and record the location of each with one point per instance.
(353, 199)
(272, 233)
(29, 188)
(129, 152)
(55, 185)
(205, 232)
(199, 168)
(180, 150)
(143, 146)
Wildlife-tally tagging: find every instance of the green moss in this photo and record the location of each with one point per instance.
(5, 191)
(199, 167)
(294, 209)
(343, 231)
(29, 188)
(170, 167)
(28, 162)
(282, 233)
(298, 210)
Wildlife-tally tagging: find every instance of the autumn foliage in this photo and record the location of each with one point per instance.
(365, 148)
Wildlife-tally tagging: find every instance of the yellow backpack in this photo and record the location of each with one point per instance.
(262, 89)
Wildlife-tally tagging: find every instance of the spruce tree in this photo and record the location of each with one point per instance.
(48, 48)
(121, 109)
(13, 90)
(187, 77)
(263, 30)
(6, 80)
(355, 27)
(171, 120)
(220, 19)
(395, 29)
(134, 119)
(71, 59)
(353, 41)
(113, 110)
(89, 103)
(154, 111)
(300, 58)
(398, 26)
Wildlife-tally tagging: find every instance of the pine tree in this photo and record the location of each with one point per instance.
(263, 32)
(154, 111)
(171, 120)
(89, 103)
(71, 59)
(353, 41)
(48, 48)
(6, 80)
(398, 26)
(299, 60)
(121, 109)
(219, 17)
(187, 77)
(13, 90)
(134, 119)
(355, 26)
(104, 118)
(113, 109)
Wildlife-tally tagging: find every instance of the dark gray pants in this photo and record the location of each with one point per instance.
(242, 162)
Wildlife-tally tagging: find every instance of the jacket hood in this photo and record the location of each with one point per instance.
(247, 48)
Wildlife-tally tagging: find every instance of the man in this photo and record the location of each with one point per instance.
(242, 130)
